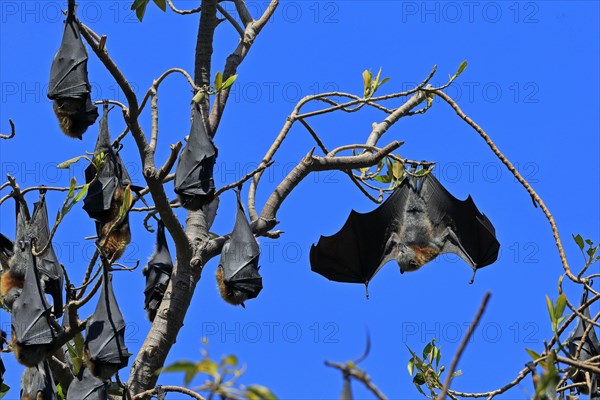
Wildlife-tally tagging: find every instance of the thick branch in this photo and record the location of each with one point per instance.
(204, 49)
(234, 60)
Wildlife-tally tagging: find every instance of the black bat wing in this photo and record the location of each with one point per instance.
(242, 249)
(48, 266)
(100, 193)
(30, 311)
(2, 368)
(105, 330)
(358, 251)
(87, 387)
(38, 379)
(6, 251)
(591, 346)
(158, 271)
(472, 235)
(194, 173)
(68, 74)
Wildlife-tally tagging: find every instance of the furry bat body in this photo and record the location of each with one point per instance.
(418, 222)
(69, 86)
(157, 273)
(237, 274)
(194, 183)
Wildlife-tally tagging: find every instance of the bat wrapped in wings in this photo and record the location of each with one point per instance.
(37, 383)
(51, 273)
(194, 183)
(104, 198)
(105, 351)
(589, 348)
(237, 274)
(69, 86)
(157, 273)
(86, 386)
(419, 221)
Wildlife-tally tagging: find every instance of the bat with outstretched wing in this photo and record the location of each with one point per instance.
(157, 273)
(37, 383)
(69, 86)
(105, 351)
(194, 183)
(419, 221)
(237, 274)
(86, 386)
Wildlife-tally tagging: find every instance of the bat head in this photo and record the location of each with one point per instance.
(407, 258)
(230, 293)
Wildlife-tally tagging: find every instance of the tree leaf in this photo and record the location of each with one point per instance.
(4, 388)
(67, 164)
(419, 379)
(140, 8)
(162, 4)
(218, 80)
(397, 169)
(579, 241)
(207, 366)
(81, 193)
(561, 303)
(461, 68)
(411, 366)
(457, 373)
(532, 354)
(229, 81)
(367, 78)
(550, 309)
(263, 392)
(382, 179)
(199, 96)
(230, 360)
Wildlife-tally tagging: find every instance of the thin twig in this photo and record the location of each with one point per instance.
(231, 20)
(463, 345)
(183, 12)
(12, 131)
(244, 179)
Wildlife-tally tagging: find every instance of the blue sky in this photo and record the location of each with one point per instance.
(532, 83)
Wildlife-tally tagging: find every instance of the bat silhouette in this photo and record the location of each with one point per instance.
(194, 183)
(157, 273)
(6, 252)
(69, 86)
(104, 198)
(105, 351)
(2, 368)
(32, 330)
(590, 348)
(418, 221)
(50, 270)
(237, 274)
(37, 383)
(86, 386)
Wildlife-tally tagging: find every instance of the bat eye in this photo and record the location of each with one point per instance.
(412, 263)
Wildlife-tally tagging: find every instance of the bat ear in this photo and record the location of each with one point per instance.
(243, 305)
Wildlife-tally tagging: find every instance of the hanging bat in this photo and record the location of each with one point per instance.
(104, 198)
(157, 273)
(69, 86)
(105, 351)
(37, 383)
(2, 368)
(194, 183)
(590, 348)
(6, 252)
(237, 274)
(51, 272)
(87, 387)
(49, 268)
(32, 330)
(418, 222)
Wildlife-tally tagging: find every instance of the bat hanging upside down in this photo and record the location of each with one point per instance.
(417, 223)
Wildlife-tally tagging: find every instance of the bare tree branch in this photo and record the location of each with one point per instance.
(12, 131)
(463, 345)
